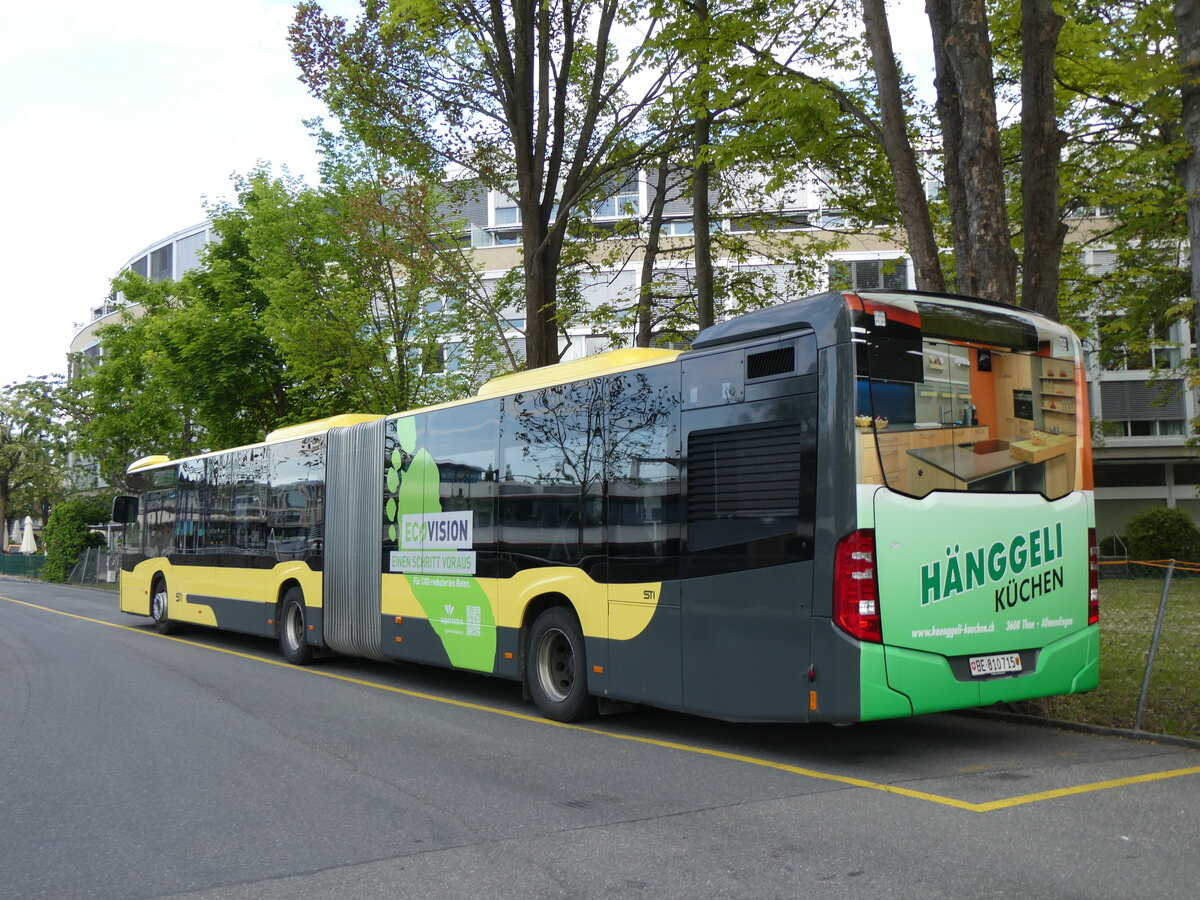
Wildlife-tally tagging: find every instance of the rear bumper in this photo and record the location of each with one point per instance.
(1067, 666)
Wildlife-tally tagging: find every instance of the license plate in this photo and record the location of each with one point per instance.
(995, 665)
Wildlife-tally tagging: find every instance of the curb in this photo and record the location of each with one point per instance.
(1083, 727)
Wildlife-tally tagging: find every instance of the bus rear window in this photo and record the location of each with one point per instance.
(954, 414)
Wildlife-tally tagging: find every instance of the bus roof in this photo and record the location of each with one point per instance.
(608, 363)
(319, 426)
(287, 433)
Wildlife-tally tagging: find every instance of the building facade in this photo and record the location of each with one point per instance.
(166, 259)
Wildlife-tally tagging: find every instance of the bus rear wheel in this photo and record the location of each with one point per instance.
(158, 608)
(293, 629)
(556, 667)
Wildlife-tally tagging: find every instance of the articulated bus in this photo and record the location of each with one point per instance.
(851, 506)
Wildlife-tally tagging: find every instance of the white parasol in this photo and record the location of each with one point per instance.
(28, 544)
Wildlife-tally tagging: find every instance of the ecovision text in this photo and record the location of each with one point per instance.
(1000, 567)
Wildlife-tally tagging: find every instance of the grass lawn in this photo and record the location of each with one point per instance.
(1128, 608)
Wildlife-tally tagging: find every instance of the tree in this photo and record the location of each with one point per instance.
(1120, 106)
(527, 98)
(132, 401)
(966, 107)
(32, 448)
(1187, 27)
(1041, 144)
(310, 302)
(67, 534)
(910, 192)
(363, 282)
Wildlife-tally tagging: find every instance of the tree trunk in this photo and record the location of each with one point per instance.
(645, 308)
(910, 194)
(949, 115)
(968, 55)
(1187, 26)
(701, 171)
(1041, 143)
(541, 299)
(701, 225)
(970, 51)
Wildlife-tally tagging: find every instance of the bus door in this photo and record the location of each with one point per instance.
(749, 431)
(353, 536)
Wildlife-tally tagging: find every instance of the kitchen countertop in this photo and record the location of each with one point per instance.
(966, 462)
(907, 426)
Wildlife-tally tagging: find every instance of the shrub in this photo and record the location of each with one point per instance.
(1162, 533)
(67, 534)
(1114, 545)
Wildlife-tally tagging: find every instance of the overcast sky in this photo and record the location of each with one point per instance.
(117, 119)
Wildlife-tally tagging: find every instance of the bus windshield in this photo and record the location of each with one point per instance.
(959, 396)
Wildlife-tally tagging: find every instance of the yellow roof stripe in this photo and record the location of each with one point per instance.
(146, 461)
(320, 426)
(588, 367)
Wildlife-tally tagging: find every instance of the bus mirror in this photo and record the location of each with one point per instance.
(124, 510)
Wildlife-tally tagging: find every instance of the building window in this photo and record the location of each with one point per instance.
(625, 202)
(1143, 428)
(160, 263)
(1160, 351)
(1131, 475)
(677, 229)
(188, 250)
(868, 274)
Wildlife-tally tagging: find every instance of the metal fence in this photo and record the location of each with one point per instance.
(1150, 628)
(98, 566)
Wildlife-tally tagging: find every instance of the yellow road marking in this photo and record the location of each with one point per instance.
(990, 806)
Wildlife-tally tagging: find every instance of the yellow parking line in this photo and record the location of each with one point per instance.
(1085, 788)
(654, 742)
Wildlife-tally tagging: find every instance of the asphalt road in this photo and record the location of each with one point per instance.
(133, 765)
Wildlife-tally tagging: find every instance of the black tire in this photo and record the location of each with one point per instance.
(158, 607)
(556, 667)
(293, 629)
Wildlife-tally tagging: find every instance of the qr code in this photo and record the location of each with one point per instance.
(473, 613)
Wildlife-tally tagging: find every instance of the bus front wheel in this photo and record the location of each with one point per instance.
(158, 608)
(293, 629)
(556, 667)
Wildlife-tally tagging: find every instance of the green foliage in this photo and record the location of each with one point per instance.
(33, 447)
(1120, 110)
(312, 301)
(67, 534)
(1163, 533)
(362, 278)
(532, 100)
(131, 402)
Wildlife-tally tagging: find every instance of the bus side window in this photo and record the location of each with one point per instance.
(552, 480)
(641, 452)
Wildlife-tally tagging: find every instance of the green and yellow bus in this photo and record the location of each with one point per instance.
(850, 506)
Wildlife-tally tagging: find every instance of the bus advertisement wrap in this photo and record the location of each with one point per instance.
(435, 555)
(1014, 576)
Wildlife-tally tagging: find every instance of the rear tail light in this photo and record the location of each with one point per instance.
(1093, 578)
(855, 587)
